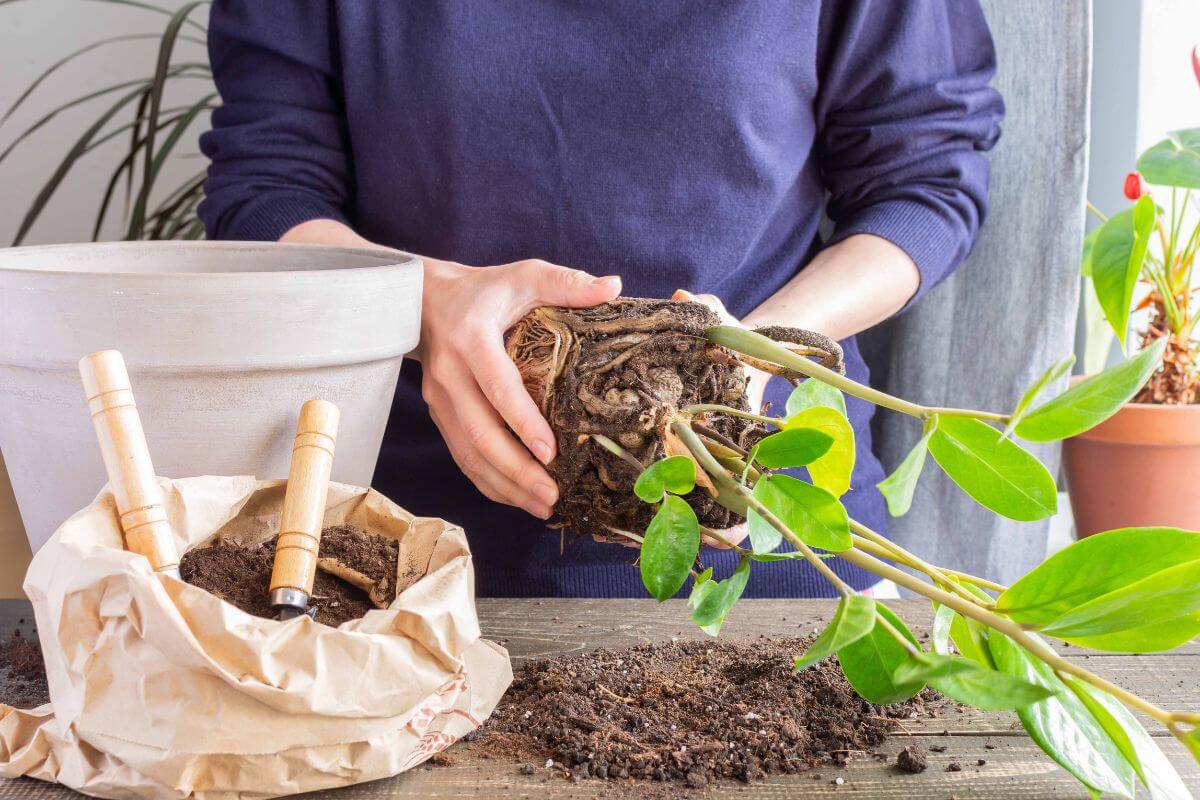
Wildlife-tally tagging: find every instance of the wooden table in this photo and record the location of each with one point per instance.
(1015, 767)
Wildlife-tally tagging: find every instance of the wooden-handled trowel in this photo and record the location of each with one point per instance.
(127, 460)
(296, 549)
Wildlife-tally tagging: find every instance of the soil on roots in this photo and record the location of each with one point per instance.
(242, 576)
(624, 370)
(684, 711)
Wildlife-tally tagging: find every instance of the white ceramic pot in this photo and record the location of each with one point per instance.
(224, 342)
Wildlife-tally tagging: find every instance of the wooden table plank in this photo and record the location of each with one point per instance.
(531, 629)
(1015, 768)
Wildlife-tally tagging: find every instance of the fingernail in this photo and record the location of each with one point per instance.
(542, 451)
(608, 281)
(545, 492)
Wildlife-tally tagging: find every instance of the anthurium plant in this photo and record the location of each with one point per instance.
(1134, 590)
(1151, 248)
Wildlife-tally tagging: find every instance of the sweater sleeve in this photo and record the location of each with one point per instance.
(904, 113)
(278, 145)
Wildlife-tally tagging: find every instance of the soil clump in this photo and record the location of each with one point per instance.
(22, 673)
(683, 712)
(242, 576)
(624, 370)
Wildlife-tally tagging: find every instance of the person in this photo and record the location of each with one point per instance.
(540, 152)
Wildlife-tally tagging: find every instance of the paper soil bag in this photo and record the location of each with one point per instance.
(160, 690)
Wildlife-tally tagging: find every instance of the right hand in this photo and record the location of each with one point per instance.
(474, 391)
(472, 387)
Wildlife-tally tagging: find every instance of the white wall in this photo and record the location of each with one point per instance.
(1168, 93)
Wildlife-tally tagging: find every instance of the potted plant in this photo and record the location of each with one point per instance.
(1139, 467)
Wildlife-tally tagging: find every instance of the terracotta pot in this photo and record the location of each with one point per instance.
(1139, 467)
(224, 342)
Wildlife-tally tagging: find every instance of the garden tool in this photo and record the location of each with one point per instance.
(127, 460)
(299, 541)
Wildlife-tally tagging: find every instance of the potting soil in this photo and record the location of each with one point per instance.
(688, 712)
(242, 576)
(22, 673)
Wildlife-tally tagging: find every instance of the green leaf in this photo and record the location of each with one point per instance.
(1191, 740)
(1091, 401)
(153, 158)
(1117, 258)
(1155, 599)
(970, 638)
(1149, 639)
(869, 663)
(898, 488)
(1062, 726)
(789, 555)
(813, 392)
(993, 469)
(831, 471)
(711, 600)
(969, 683)
(1175, 161)
(676, 474)
(794, 447)
(764, 537)
(1131, 739)
(1085, 260)
(1095, 567)
(670, 548)
(939, 632)
(810, 512)
(854, 619)
(1048, 377)
(46, 73)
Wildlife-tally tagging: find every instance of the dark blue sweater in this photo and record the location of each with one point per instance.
(678, 144)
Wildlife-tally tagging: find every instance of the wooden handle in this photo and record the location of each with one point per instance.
(127, 459)
(304, 501)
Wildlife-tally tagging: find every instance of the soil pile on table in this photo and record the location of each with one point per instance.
(22, 673)
(242, 576)
(624, 370)
(687, 711)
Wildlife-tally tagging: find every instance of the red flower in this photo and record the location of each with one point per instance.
(1134, 188)
(1196, 62)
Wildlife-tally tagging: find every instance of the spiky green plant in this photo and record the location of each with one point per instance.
(138, 111)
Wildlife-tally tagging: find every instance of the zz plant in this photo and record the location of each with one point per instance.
(1135, 590)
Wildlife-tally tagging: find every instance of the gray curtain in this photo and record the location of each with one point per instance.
(1009, 311)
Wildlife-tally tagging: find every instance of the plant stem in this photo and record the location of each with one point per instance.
(912, 649)
(723, 539)
(616, 449)
(983, 583)
(1099, 214)
(685, 433)
(872, 542)
(756, 345)
(966, 412)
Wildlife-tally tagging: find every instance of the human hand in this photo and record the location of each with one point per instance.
(472, 387)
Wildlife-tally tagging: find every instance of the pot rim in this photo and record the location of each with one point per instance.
(395, 259)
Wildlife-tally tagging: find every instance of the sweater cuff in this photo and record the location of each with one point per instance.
(271, 217)
(934, 245)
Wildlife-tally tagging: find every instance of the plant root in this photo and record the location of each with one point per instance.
(624, 370)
